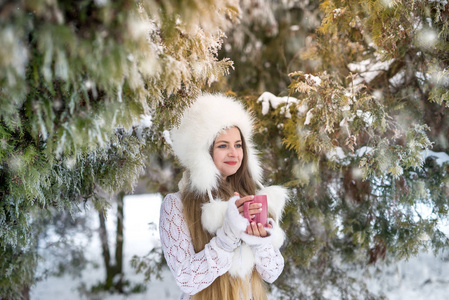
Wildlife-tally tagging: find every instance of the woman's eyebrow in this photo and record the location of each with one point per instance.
(227, 142)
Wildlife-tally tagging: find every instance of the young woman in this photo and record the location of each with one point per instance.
(211, 249)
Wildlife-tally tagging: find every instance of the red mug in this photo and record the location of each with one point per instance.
(259, 217)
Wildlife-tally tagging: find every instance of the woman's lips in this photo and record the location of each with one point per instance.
(232, 163)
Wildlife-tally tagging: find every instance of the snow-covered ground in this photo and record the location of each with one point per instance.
(423, 277)
(140, 238)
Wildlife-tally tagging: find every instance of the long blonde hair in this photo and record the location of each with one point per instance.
(224, 287)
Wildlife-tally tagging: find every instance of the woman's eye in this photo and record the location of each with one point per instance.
(238, 146)
(222, 146)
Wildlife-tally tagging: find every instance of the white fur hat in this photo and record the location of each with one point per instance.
(199, 126)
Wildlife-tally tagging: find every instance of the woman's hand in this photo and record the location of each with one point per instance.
(257, 229)
(254, 208)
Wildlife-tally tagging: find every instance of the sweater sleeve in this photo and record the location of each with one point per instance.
(269, 261)
(193, 271)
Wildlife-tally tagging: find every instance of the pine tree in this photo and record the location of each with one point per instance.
(366, 94)
(362, 99)
(352, 139)
(75, 80)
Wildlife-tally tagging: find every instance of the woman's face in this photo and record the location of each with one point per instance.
(228, 152)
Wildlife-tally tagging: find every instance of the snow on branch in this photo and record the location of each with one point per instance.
(268, 99)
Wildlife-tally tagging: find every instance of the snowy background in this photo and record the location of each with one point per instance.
(422, 277)
(140, 238)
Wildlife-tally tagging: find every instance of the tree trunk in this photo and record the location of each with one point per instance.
(113, 269)
(104, 240)
(119, 242)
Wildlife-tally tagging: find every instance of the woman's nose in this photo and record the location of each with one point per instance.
(232, 152)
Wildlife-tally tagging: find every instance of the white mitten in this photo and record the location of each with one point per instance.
(229, 234)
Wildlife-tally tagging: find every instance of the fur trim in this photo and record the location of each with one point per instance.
(198, 128)
(277, 196)
(184, 182)
(253, 240)
(213, 214)
(243, 262)
(277, 236)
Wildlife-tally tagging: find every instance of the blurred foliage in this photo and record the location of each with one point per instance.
(358, 94)
(267, 43)
(75, 80)
(351, 134)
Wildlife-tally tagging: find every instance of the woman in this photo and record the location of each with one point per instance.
(211, 249)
